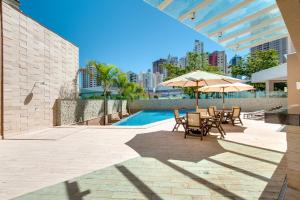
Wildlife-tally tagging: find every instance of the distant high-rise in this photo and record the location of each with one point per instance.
(198, 46)
(132, 77)
(89, 77)
(182, 62)
(280, 45)
(172, 59)
(157, 79)
(146, 80)
(218, 58)
(235, 61)
(157, 67)
(13, 3)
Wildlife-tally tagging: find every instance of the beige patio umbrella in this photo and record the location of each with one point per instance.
(231, 87)
(199, 79)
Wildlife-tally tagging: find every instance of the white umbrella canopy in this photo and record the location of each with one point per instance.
(234, 87)
(198, 79)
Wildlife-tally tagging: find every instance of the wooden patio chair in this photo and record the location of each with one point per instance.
(194, 123)
(212, 111)
(178, 120)
(235, 116)
(216, 122)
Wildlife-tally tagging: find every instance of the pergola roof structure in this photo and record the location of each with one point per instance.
(235, 24)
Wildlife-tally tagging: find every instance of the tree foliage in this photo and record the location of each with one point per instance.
(105, 75)
(257, 61)
(261, 60)
(173, 70)
(110, 75)
(196, 61)
(134, 91)
(237, 70)
(212, 69)
(121, 82)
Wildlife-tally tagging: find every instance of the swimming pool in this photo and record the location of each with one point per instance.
(147, 117)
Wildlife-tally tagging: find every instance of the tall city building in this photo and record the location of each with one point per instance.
(182, 62)
(132, 77)
(280, 45)
(89, 77)
(198, 46)
(157, 79)
(172, 59)
(235, 60)
(146, 80)
(85, 77)
(218, 58)
(157, 67)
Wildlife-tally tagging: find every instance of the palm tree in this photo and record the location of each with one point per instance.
(105, 76)
(133, 91)
(121, 83)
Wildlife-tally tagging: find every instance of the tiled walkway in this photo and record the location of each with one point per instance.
(149, 163)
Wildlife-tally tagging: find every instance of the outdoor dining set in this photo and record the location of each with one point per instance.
(200, 122)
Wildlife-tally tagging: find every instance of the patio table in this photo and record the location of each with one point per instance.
(226, 111)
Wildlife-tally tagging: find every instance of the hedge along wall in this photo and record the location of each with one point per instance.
(247, 104)
(73, 111)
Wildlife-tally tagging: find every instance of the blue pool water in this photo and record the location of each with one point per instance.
(148, 116)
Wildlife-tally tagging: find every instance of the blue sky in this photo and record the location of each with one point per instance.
(127, 33)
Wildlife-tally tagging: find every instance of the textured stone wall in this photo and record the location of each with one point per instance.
(1, 58)
(247, 104)
(73, 111)
(32, 55)
(293, 132)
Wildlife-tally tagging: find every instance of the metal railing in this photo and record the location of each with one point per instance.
(217, 95)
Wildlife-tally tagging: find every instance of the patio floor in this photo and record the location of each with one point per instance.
(153, 163)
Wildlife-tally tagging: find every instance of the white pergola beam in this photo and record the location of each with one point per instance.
(164, 4)
(263, 41)
(253, 28)
(223, 14)
(200, 6)
(262, 34)
(243, 20)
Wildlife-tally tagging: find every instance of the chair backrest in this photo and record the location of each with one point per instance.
(202, 111)
(212, 111)
(193, 120)
(218, 120)
(176, 114)
(236, 111)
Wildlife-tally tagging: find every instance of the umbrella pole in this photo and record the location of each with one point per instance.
(197, 94)
(223, 98)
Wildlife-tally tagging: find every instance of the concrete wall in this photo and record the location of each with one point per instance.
(290, 11)
(1, 67)
(294, 76)
(34, 54)
(247, 104)
(293, 132)
(73, 111)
